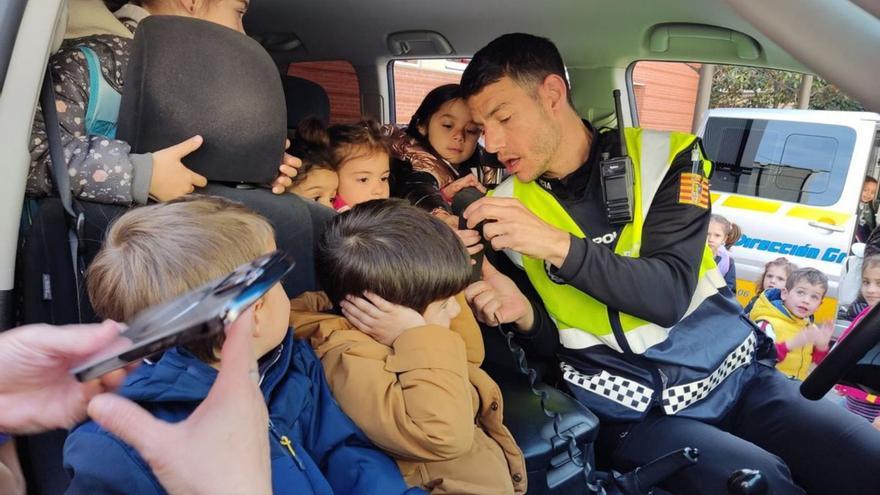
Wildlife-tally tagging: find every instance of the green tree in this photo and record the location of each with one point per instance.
(751, 87)
(827, 96)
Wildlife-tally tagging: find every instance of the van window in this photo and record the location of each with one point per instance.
(413, 79)
(339, 80)
(668, 94)
(789, 161)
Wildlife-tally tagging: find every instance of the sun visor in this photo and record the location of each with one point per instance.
(186, 77)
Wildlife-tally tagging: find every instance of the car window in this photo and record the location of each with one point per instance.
(665, 94)
(790, 161)
(413, 79)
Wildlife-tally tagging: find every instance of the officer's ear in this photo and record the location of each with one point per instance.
(554, 92)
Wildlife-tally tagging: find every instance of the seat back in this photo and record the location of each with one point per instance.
(235, 110)
(188, 76)
(304, 98)
(48, 292)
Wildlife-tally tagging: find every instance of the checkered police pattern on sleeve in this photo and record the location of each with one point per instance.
(616, 388)
(681, 396)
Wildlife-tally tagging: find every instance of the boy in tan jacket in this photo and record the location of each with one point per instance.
(404, 361)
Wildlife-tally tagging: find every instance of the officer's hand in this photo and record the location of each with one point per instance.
(496, 299)
(171, 178)
(287, 171)
(510, 225)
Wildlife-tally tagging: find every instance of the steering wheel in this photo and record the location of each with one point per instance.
(856, 359)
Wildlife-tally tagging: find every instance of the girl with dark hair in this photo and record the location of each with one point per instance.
(438, 155)
(317, 179)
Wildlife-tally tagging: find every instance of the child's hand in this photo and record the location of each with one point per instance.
(447, 218)
(469, 180)
(171, 179)
(822, 335)
(471, 240)
(289, 168)
(804, 337)
(378, 318)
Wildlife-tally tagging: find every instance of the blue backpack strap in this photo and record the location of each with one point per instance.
(103, 109)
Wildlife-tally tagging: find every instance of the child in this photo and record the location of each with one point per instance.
(362, 162)
(317, 179)
(786, 315)
(721, 237)
(858, 401)
(394, 365)
(774, 276)
(438, 154)
(866, 220)
(101, 168)
(157, 252)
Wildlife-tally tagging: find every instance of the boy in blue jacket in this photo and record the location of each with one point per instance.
(157, 252)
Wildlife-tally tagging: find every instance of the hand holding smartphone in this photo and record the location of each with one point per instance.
(200, 313)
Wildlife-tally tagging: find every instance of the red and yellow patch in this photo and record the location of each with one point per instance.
(694, 190)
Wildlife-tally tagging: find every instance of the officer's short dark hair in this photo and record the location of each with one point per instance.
(810, 275)
(394, 250)
(525, 58)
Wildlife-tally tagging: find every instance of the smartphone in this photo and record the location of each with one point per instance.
(200, 313)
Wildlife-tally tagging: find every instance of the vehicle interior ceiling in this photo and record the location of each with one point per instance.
(599, 39)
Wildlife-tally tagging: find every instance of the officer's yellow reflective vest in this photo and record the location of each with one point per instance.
(586, 324)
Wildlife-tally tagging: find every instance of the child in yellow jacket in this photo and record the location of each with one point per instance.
(403, 362)
(786, 316)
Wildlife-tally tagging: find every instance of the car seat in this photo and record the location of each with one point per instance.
(305, 99)
(236, 109)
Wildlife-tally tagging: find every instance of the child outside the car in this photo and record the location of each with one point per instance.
(721, 237)
(858, 400)
(786, 316)
(774, 276)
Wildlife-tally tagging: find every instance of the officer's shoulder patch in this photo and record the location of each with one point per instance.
(694, 190)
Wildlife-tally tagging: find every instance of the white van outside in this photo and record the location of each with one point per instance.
(791, 179)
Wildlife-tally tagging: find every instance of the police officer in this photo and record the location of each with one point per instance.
(651, 340)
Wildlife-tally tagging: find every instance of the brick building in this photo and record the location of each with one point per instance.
(665, 92)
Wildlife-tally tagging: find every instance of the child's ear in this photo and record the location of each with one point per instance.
(258, 313)
(423, 130)
(189, 6)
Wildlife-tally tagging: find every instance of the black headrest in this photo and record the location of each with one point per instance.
(186, 77)
(305, 99)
